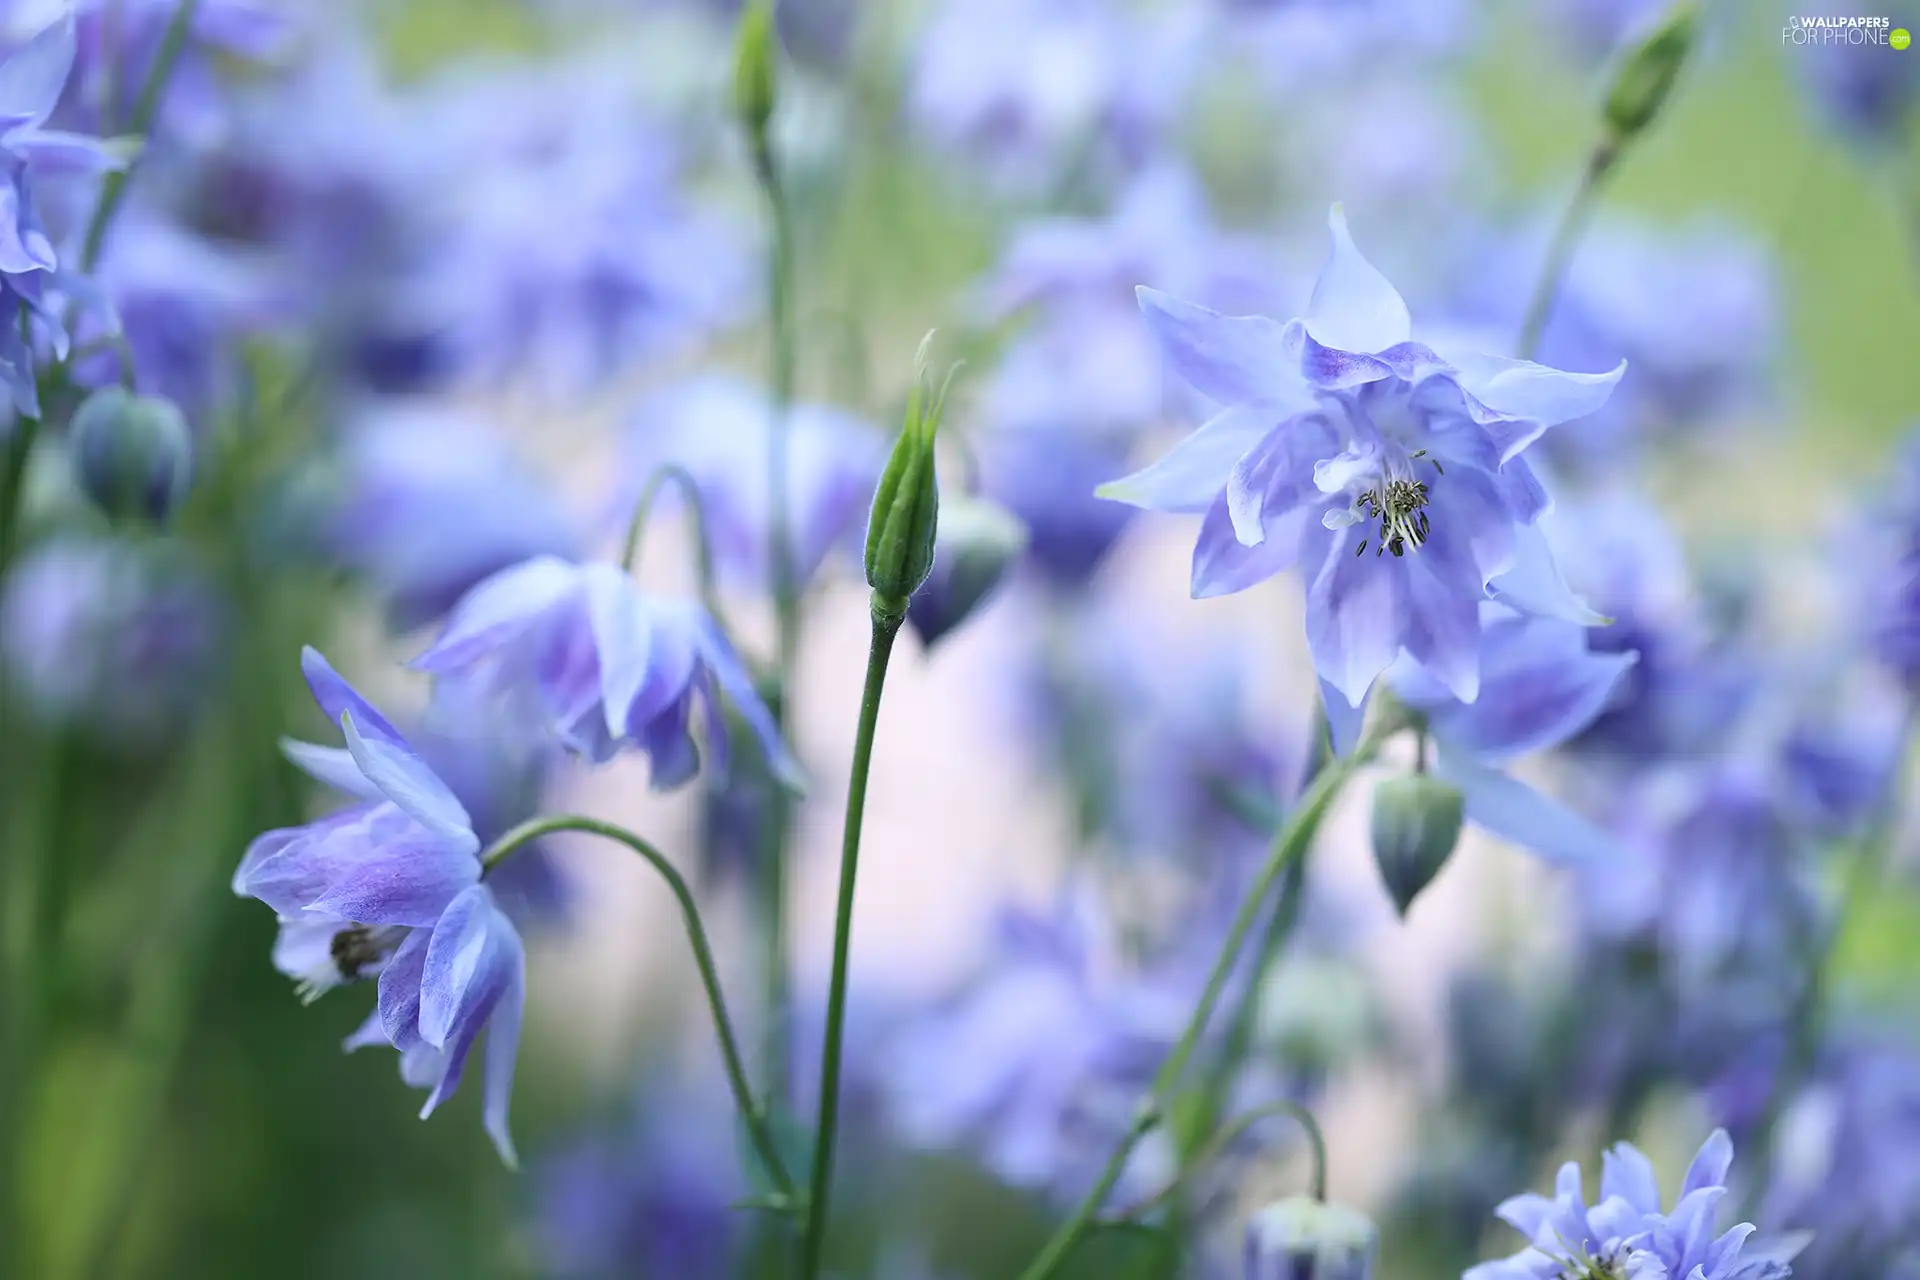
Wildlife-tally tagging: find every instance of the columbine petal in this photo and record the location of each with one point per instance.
(1231, 359)
(1532, 396)
(406, 780)
(1353, 307)
(1222, 564)
(330, 766)
(1627, 1173)
(1540, 686)
(1535, 585)
(32, 78)
(736, 682)
(1711, 1165)
(474, 963)
(336, 697)
(499, 610)
(1514, 811)
(55, 150)
(620, 639)
(1356, 615)
(405, 882)
(503, 1048)
(1194, 473)
(1443, 613)
(398, 1005)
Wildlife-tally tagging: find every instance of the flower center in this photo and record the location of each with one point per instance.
(363, 947)
(1610, 1265)
(1398, 507)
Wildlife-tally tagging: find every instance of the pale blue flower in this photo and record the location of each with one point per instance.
(1344, 440)
(1628, 1236)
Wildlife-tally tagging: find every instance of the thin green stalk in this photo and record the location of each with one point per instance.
(1566, 237)
(1223, 1139)
(674, 473)
(1289, 845)
(772, 881)
(750, 1113)
(146, 108)
(880, 648)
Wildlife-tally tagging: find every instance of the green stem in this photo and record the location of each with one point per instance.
(751, 1114)
(1566, 237)
(886, 625)
(772, 883)
(1865, 868)
(1289, 845)
(674, 473)
(146, 108)
(1225, 1138)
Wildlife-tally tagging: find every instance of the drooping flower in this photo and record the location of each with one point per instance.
(717, 428)
(605, 666)
(392, 887)
(1343, 441)
(1627, 1236)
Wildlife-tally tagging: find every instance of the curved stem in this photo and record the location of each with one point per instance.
(755, 1121)
(880, 648)
(1289, 844)
(676, 474)
(1224, 1138)
(1566, 236)
(113, 190)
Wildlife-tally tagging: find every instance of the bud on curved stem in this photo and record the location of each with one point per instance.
(1416, 823)
(1307, 1239)
(755, 43)
(1646, 75)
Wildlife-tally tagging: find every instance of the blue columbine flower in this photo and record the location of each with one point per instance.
(391, 886)
(1627, 1237)
(605, 665)
(1343, 441)
(31, 80)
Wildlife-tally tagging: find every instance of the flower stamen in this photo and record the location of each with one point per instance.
(1399, 508)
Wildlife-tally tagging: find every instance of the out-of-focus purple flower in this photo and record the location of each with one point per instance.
(123, 638)
(430, 503)
(1343, 437)
(183, 304)
(391, 886)
(1037, 1067)
(973, 548)
(1401, 142)
(1692, 310)
(1866, 89)
(1848, 1167)
(1628, 1235)
(1891, 583)
(654, 1202)
(560, 241)
(1088, 82)
(1084, 363)
(120, 39)
(606, 666)
(717, 429)
(1298, 44)
(1047, 480)
(1595, 28)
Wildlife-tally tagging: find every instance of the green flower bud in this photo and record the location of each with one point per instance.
(906, 505)
(132, 455)
(1416, 823)
(977, 540)
(1648, 72)
(755, 44)
(1307, 1239)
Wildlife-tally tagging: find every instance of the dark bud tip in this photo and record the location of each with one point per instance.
(132, 455)
(1416, 823)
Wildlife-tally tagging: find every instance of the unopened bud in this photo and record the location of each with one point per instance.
(1648, 72)
(132, 455)
(976, 541)
(1416, 823)
(1307, 1239)
(906, 505)
(755, 45)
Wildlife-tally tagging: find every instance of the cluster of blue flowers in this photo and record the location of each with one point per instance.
(310, 336)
